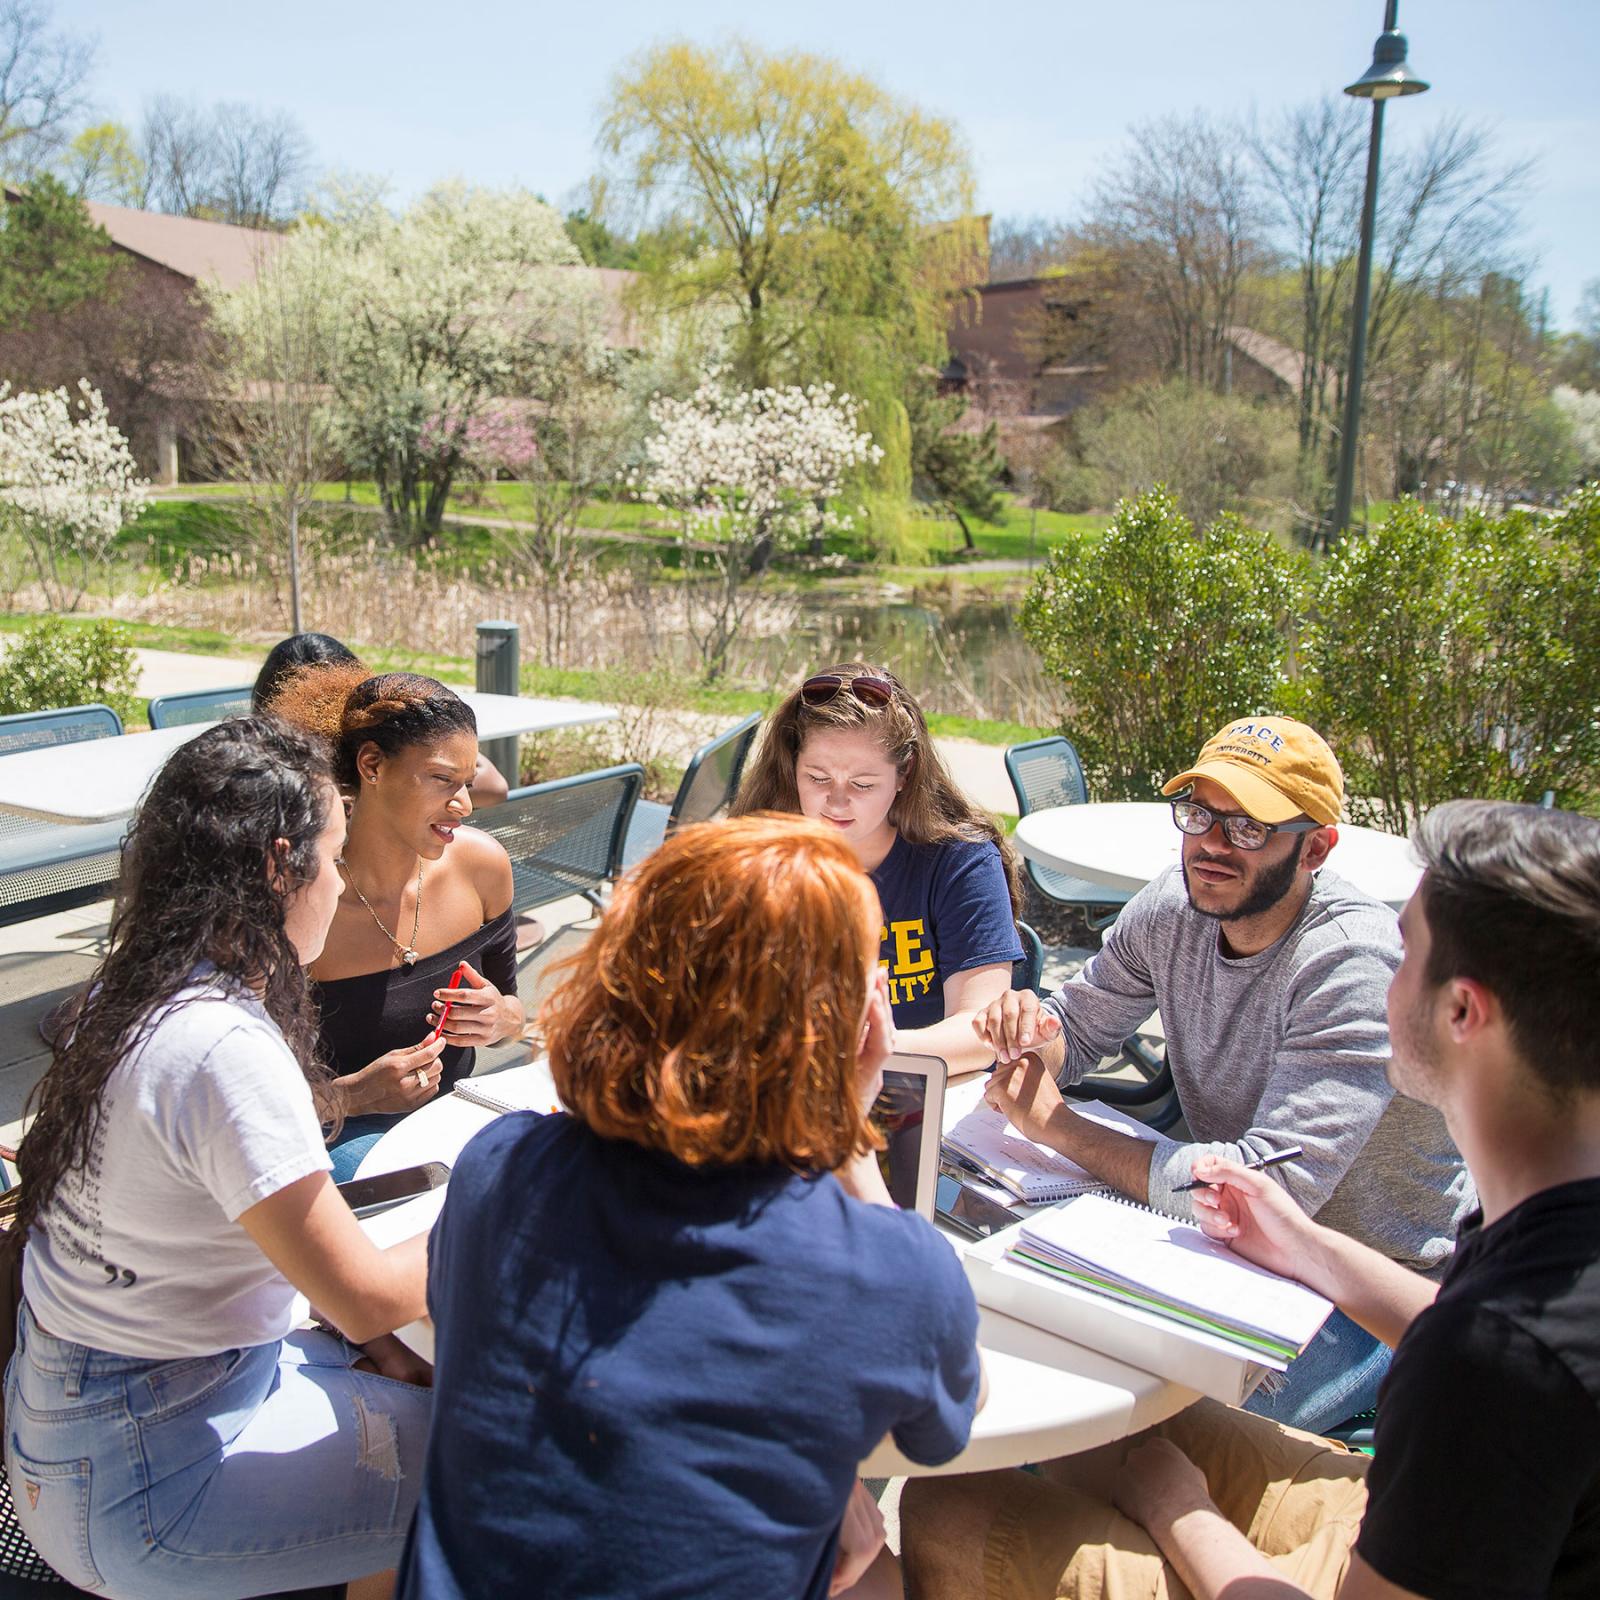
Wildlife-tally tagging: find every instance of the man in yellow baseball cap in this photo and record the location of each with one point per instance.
(1270, 973)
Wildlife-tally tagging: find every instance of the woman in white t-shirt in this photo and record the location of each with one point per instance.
(167, 1433)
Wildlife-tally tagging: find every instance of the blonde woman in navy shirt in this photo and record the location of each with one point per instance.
(851, 748)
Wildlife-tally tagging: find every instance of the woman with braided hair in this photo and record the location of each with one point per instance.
(426, 895)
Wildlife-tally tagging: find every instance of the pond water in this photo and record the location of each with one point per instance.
(966, 656)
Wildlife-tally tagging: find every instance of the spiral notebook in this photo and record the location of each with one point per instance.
(986, 1142)
(1153, 1262)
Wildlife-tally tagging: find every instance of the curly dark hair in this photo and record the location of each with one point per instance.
(394, 711)
(195, 887)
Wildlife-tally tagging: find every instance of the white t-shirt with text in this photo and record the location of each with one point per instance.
(140, 1252)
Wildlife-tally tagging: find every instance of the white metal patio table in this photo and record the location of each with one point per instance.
(99, 780)
(1047, 1396)
(1125, 843)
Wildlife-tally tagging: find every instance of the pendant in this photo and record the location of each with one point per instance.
(409, 957)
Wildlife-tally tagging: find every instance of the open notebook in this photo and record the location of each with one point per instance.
(1155, 1263)
(984, 1141)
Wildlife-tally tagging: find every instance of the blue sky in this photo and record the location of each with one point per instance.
(506, 91)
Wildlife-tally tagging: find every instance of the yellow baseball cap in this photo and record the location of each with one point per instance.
(1275, 767)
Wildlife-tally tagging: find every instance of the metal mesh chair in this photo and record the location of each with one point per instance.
(707, 790)
(200, 705)
(1027, 972)
(565, 837)
(1047, 772)
(52, 866)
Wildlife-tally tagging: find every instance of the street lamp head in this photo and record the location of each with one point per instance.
(1389, 75)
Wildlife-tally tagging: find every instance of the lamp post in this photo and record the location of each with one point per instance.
(1387, 77)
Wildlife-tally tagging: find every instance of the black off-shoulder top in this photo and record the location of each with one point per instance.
(375, 1012)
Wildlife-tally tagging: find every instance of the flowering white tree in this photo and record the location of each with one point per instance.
(462, 301)
(749, 470)
(68, 485)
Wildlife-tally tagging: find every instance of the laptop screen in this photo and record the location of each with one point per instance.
(909, 1113)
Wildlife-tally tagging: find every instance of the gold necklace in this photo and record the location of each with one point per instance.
(408, 953)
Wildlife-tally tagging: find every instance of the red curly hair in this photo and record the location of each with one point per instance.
(716, 1013)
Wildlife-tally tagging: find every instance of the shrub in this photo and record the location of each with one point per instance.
(1211, 452)
(1461, 659)
(1160, 633)
(52, 665)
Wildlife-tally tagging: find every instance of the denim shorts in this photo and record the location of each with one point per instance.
(255, 1470)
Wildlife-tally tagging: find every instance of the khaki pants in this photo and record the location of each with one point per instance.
(1298, 1498)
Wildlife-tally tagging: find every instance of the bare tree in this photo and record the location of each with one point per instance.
(275, 433)
(1446, 210)
(42, 74)
(229, 163)
(1181, 220)
(1025, 247)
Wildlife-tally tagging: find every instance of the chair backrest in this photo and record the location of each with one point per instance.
(565, 837)
(712, 778)
(1029, 971)
(1046, 772)
(200, 705)
(32, 730)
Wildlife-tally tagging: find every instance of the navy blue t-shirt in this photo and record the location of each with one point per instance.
(654, 1381)
(946, 909)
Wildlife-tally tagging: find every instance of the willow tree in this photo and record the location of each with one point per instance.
(835, 219)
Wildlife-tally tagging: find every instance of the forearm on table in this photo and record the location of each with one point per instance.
(954, 1041)
(1112, 1157)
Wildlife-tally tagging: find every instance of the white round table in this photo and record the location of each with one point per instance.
(1047, 1396)
(1125, 843)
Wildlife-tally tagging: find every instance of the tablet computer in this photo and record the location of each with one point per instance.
(909, 1113)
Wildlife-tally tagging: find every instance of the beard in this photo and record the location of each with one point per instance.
(1269, 888)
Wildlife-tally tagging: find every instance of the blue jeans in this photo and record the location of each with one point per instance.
(1336, 1376)
(357, 1135)
(210, 1477)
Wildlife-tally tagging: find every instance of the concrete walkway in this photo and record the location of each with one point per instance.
(978, 768)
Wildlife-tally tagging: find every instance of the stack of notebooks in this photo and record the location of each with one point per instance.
(986, 1145)
(1150, 1290)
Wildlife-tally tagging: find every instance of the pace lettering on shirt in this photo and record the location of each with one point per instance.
(905, 953)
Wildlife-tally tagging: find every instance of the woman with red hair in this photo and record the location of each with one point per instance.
(668, 1326)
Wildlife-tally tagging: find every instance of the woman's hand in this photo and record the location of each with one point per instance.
(479, 1013)
(389, 1358)
(877, 1040)
(1253, 1215)
(860, 1539)
(401, 1080)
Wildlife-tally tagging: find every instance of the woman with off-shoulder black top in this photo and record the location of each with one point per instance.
(423, 895)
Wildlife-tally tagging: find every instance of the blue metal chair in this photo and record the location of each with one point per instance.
(1044, 773)
(565, 837)
(1027, 973)
(200, 705)
(707, 789)
(54, 866)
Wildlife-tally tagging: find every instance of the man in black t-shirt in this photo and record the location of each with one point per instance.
(1486, 1475)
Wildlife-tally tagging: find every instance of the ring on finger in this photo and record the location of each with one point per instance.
(422, 1077)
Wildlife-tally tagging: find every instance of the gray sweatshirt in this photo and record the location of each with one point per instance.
(1285, 1047)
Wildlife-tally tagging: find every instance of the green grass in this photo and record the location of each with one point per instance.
(568, 682)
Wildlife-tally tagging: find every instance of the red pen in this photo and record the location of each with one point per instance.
(454, 983)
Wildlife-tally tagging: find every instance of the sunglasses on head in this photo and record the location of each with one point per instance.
(874, 692)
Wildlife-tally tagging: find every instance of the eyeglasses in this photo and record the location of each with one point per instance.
(874, 692)
(1242, 832)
